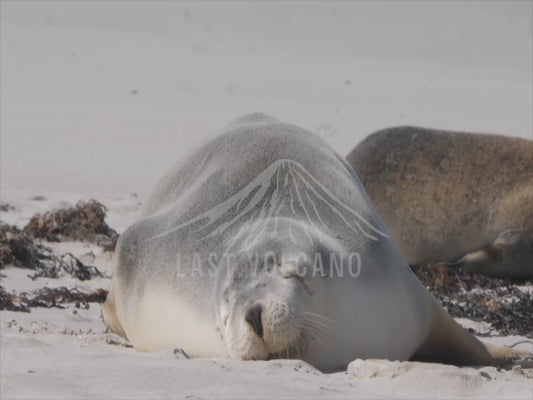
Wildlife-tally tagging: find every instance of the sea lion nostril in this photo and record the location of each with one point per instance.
(253, 317)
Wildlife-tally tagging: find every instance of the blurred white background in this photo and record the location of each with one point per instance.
(102, 96)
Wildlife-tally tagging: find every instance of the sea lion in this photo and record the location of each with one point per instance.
(263, 244)
(460, 198)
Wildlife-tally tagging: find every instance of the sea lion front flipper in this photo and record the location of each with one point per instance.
(510, 255)
(109, 315)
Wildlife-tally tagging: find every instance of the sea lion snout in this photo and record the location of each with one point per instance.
(253, 317)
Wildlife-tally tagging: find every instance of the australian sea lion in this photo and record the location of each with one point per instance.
(263, 244)
(448, 196)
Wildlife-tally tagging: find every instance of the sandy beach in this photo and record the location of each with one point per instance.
(98, 99)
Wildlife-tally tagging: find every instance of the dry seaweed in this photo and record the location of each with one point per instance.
(84, 222)
(66, 264)
(50, 297)
(4, 207)
(7, 302)
(22, 251)
(499, 302)
(19, 249)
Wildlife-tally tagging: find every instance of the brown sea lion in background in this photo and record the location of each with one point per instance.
(454, 197)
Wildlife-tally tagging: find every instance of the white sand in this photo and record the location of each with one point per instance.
(56, 354)
(99, 98)
(65, 353)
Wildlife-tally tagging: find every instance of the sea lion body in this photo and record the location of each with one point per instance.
(224, 262)
(450, 195)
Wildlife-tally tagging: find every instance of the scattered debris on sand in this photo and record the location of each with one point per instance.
(84, 222)
(38, 197)
(499, 302)
(66, 264)
(7, 303)
(4, 207)
(50, 297)
(23, 251)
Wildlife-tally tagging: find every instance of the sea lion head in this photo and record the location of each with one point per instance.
(269, 293)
